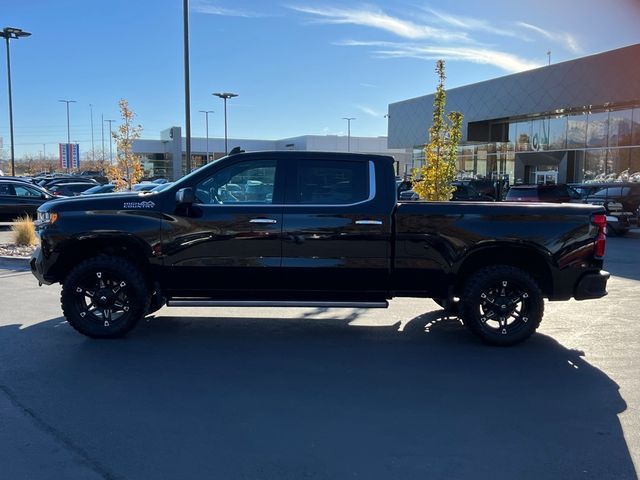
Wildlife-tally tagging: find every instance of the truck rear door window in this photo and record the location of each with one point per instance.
(321, 182)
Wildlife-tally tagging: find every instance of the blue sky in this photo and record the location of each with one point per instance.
(299, 66)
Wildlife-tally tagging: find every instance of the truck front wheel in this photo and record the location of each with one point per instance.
(104, 297)
(502, 305)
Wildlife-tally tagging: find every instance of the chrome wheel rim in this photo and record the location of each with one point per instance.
(504, 307)
(102, 297)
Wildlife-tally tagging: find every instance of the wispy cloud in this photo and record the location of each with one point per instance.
(376, 18)
(505, 61)
(449, 39)
(213, 8)
(468, 23)
(369, 111)
(566, 39)
(369, 85)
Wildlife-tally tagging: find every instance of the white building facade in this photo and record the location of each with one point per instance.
(166, 157)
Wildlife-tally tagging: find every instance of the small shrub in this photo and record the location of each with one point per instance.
(24, 231)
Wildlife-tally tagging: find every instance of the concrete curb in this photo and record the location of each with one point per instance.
(15, 261)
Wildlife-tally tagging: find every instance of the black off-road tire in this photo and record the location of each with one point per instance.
(104, 297)
(502, 305)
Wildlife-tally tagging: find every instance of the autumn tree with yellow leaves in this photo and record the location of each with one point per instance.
(433, 180)
(127, 171)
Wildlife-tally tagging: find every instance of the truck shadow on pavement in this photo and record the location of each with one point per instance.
(295, 398)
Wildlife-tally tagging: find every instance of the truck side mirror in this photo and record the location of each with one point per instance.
(185, 196)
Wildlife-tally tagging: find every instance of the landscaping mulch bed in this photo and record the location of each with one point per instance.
(13, 250)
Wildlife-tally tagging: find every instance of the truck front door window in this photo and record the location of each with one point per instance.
(249, 182)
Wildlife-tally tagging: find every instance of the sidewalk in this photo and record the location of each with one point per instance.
(6, 236)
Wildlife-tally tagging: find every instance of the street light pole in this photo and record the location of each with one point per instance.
(11, 33)
(225, 96)
(102, 130)
(93, 148)
(68, 132)
(110, 145)
(348, 119)
(206, 116)
(187, 95)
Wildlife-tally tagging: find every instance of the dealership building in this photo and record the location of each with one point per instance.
(166, 157)
(568, 122)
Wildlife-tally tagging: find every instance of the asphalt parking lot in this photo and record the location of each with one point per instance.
(322, 394)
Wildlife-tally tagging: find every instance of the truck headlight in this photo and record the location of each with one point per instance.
(47, 218)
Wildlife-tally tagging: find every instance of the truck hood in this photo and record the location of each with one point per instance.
(105, 201)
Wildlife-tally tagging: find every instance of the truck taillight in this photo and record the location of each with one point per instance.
(600, 221)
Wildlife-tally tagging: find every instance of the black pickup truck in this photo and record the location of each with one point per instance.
(313, 229)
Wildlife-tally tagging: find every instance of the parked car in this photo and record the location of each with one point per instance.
(617, 219)
(20, 179)
(18, 198)
(489, 188)
(466, 192)
(462, 193)
(627, 194)
(50, 182)
(96, 175)
(402, 186)
(144, 187)
(106, 188)
(560, 193)
(70, 189)
(162, 186)
(408, 195)
(316, 229)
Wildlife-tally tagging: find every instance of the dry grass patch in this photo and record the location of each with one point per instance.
(24, 231)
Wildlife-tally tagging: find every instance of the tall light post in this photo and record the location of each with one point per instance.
(348, 119)
(68, 132)
(206, 123)
(93, 148)
(225, 96)
(110, 144)
(187, 95)
(102, 130)
(11, 33)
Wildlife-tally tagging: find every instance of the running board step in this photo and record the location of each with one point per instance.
(194, 302)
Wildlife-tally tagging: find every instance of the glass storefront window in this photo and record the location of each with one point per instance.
(523, 136)
(597, 129)
(595, 165)
(634, 164)
(156, 165)
(635, 127)
(618, 163)
(557, 133)
(466, 161)
(620, 123)
(540, 134)
(577, 131)
(492, 165)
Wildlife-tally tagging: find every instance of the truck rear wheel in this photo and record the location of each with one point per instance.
(104, 297)
(502, 305)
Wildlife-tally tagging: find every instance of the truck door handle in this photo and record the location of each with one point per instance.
(368, 222)
(263, 220)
